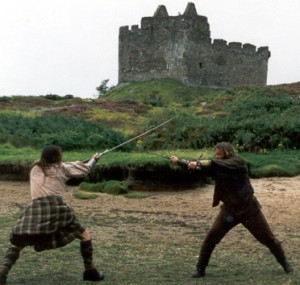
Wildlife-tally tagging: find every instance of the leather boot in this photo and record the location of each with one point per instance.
(198, 273)
(204, 256)
(90, 273)
(279, 254)
(288, 268)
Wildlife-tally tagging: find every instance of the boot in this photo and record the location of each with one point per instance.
(90, 273)
(288, 268)
(11, 256)
(204, 256)
(198, 273)
(279, 254)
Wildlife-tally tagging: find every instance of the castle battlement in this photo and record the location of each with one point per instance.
(180, 47)
(234, 46)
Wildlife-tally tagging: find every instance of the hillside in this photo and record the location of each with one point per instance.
(252, 117)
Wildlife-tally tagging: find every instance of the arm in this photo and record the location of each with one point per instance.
(191, 165)
(80, 169)
(181, 162)
(93, 160)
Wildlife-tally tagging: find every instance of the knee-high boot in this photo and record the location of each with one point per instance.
(204, 256)
(279, 254)
(90, 273)
(11, 256)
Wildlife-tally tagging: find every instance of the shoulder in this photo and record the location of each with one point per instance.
(72, 164)
(232, 162)
(35, 168)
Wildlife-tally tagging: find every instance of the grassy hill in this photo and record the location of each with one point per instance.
(254, 119)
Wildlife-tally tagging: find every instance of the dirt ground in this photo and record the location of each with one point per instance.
(279, 197)
(173, 215)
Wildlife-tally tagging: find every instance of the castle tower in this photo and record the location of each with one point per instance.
(180, 48)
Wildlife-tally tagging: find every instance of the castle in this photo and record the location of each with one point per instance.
(180, 48)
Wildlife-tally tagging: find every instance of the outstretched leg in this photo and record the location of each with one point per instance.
(260, 229)
(10, 258)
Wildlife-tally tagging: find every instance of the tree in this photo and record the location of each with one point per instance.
(103, 88)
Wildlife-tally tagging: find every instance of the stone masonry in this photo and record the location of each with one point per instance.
(180, 48)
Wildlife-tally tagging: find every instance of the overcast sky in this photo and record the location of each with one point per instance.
(70, 46)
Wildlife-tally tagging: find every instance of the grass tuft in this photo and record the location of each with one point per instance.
(136, 195)
(113, 187)
(84, 196)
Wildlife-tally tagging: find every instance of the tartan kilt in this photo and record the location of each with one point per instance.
(47, 223)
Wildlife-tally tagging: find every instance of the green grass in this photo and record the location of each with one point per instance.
(133, 256)
(136, 195)
(84, 196)
(163, 93)
(275, 163)
(113, 187)
(272, 163)
(11, 153)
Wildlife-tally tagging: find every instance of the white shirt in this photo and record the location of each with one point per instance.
(54, 183)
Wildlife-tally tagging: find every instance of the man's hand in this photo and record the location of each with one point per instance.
(96, 156)
(193, 165)
(174, 159)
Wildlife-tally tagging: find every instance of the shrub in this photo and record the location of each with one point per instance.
(113, 187)
(68, 132)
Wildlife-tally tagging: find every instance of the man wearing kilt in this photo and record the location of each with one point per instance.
(48, 222)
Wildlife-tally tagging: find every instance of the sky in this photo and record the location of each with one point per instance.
(70, 46)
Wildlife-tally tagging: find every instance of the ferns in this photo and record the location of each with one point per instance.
(68, 132)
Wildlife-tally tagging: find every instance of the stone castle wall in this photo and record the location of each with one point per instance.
(180, 48)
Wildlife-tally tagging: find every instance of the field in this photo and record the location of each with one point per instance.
(156, 240)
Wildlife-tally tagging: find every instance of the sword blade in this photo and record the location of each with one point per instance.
(141, 135)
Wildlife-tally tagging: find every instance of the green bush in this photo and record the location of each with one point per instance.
(253, 121)
(69, 132)
(113, 187)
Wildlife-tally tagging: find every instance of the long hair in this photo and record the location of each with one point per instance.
(50, 155)
(226, 148)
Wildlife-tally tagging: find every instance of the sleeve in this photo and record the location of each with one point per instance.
(206, 167)
(91, 163)
(76, 169)
(204, 163)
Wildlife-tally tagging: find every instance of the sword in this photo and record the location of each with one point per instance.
(141, 135)
(180, 160)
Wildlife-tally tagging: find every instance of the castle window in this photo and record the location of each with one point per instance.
(200, 64)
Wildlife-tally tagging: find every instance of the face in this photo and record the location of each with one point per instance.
(219, 153)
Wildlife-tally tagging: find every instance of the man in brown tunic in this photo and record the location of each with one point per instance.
(48, 222)
(240, 206)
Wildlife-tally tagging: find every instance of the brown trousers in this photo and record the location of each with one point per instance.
(256, 224)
